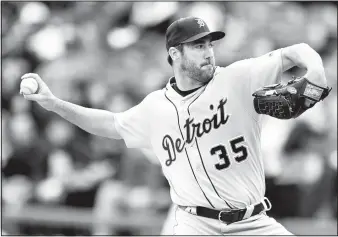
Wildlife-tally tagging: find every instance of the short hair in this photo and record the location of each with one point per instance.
(179, 48)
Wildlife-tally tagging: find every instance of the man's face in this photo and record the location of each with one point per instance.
(197, 59)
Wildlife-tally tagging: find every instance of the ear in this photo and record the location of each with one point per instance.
(174, 53)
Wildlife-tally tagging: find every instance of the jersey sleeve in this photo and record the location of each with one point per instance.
(133, 125)
(266, 70)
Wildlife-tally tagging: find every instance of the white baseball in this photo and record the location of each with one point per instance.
(28, 86)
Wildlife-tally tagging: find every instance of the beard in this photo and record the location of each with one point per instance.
(196, 72)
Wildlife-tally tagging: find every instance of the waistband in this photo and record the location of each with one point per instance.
(229, 216)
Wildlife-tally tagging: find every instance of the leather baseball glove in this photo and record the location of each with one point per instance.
(285, 101)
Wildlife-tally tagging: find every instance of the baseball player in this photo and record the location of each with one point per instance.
(203, 128)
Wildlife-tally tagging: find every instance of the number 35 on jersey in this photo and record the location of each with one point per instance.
(237, 148)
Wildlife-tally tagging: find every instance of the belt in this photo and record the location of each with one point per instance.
(229, 216)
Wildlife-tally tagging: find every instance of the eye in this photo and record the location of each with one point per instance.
(199, 46)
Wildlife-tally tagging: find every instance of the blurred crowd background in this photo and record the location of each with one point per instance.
(57, 179)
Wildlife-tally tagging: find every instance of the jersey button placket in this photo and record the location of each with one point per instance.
(192, 144)
(185, 115)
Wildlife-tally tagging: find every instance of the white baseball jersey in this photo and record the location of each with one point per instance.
(208, 142)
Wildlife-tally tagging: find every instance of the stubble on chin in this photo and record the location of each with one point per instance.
(197, 73)
(206, 76)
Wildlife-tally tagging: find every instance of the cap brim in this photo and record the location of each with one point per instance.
(215, 35)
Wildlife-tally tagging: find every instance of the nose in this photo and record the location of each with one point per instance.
(209, 53)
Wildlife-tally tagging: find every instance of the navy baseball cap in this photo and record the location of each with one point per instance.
(189, 29)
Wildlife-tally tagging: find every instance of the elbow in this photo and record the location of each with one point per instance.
(306, 54)
(304, 47)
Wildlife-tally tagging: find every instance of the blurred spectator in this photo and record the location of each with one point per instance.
(28, 157)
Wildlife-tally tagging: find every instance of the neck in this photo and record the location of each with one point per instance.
(185, 83)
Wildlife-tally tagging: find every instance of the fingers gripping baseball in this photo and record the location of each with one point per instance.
(40, 83)
(39, 93)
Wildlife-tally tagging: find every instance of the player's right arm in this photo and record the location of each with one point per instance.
(95, 121)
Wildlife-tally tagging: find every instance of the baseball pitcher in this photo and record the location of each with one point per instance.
(204, 127)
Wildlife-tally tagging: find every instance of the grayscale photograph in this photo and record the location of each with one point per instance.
(168, 118)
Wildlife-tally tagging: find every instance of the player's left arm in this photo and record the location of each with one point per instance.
(303, 56)
(268, 69)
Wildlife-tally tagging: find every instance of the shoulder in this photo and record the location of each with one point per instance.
(270, 60)
(237, 69)
(250, 62)
(236, 66)
(153, 97)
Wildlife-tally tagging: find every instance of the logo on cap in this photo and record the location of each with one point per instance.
(200, 22)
